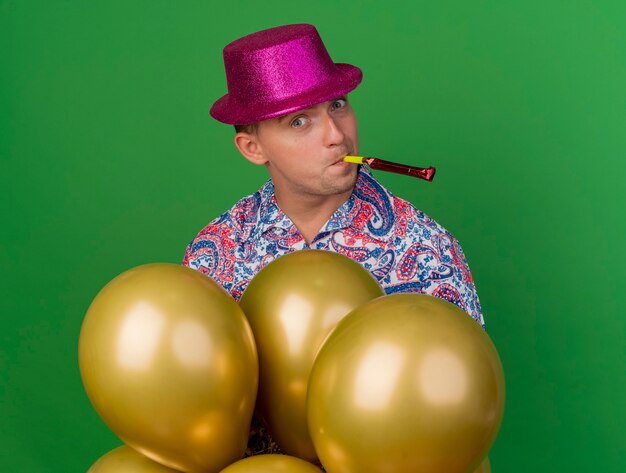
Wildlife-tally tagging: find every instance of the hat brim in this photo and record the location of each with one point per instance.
(345, 79)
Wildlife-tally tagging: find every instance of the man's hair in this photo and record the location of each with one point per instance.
(251, 128)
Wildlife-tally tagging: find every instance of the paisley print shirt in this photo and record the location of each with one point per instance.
(403, 248)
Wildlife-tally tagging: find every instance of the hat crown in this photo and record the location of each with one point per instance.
(274, 64)
(277, 71)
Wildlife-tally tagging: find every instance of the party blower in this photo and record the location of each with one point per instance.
(376, 163)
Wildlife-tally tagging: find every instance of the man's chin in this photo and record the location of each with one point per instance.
(343, 185)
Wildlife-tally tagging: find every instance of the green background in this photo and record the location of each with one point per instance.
(109, 160)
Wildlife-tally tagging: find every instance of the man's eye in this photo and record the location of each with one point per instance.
(339, 103)
(297, 122)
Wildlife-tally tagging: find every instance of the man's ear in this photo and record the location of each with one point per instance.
(249, 146)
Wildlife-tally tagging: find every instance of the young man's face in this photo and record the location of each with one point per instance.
(304, 150)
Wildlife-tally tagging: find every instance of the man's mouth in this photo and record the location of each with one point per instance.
(340, 160)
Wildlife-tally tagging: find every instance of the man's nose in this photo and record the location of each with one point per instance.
(333, 134)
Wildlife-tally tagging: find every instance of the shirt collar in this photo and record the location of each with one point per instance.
(272, 217)
(270, 214)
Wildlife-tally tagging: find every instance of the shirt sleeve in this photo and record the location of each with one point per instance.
(459, 287)
(430, 260)
(211, 253)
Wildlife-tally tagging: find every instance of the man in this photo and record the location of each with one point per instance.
(288, 102)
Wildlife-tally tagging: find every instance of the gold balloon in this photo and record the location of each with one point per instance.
(292, 305)
(168, 360)
(406, 382)
(484, 467)
(126, 460)
(271, 463)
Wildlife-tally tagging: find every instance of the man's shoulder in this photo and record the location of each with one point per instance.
(235, 224)
(410, 219)
(393, 211)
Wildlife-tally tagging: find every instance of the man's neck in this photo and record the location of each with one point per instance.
(310, 213)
